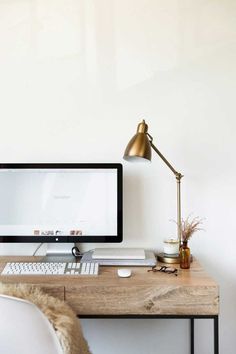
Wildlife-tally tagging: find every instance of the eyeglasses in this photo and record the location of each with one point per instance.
(164, 269)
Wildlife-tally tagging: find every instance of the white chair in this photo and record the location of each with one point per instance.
(24, 329)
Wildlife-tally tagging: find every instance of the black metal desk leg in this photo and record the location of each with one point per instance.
(216, 335)
(192, 335)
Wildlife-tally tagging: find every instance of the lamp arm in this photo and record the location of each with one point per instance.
(178, 176)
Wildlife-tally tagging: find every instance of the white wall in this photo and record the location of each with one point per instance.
(75, 79)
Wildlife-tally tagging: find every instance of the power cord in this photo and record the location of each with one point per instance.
(76, 252)
(40, 245)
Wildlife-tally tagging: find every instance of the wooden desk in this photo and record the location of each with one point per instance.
(192, 294)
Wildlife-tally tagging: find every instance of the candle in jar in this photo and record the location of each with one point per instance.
(171, 246)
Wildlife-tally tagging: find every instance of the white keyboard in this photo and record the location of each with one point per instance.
(44, 268)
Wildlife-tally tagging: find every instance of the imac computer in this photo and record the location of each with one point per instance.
(61, 204)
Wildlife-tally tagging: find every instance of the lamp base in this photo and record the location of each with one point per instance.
(167, 258)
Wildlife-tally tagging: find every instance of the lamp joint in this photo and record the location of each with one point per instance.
(178, 176)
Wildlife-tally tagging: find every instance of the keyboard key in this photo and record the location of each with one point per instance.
(96, 268)
(91, 268)
(83, 268)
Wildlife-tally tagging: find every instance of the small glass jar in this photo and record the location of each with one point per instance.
(184, 255)
(171, 247)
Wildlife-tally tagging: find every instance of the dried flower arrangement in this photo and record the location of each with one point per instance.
(189, 227)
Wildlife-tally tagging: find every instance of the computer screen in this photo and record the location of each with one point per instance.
(61, 202)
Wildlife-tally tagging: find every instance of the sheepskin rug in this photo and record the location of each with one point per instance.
(61, 316)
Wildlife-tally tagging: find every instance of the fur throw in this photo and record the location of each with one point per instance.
(60, 315)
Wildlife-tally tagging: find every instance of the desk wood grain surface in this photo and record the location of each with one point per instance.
(192, 292)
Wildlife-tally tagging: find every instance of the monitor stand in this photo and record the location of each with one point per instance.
(59, 252)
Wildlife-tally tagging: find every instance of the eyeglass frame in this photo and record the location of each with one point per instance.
(164, 269)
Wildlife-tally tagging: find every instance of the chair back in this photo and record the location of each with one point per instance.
(24, 329)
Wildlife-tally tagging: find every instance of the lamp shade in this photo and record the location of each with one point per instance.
(139, 147)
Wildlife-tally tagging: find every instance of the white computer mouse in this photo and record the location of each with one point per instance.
(124, 272)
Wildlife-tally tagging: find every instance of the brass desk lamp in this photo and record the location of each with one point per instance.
(139, 148)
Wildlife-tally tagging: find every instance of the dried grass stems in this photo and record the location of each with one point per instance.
(189, 227)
